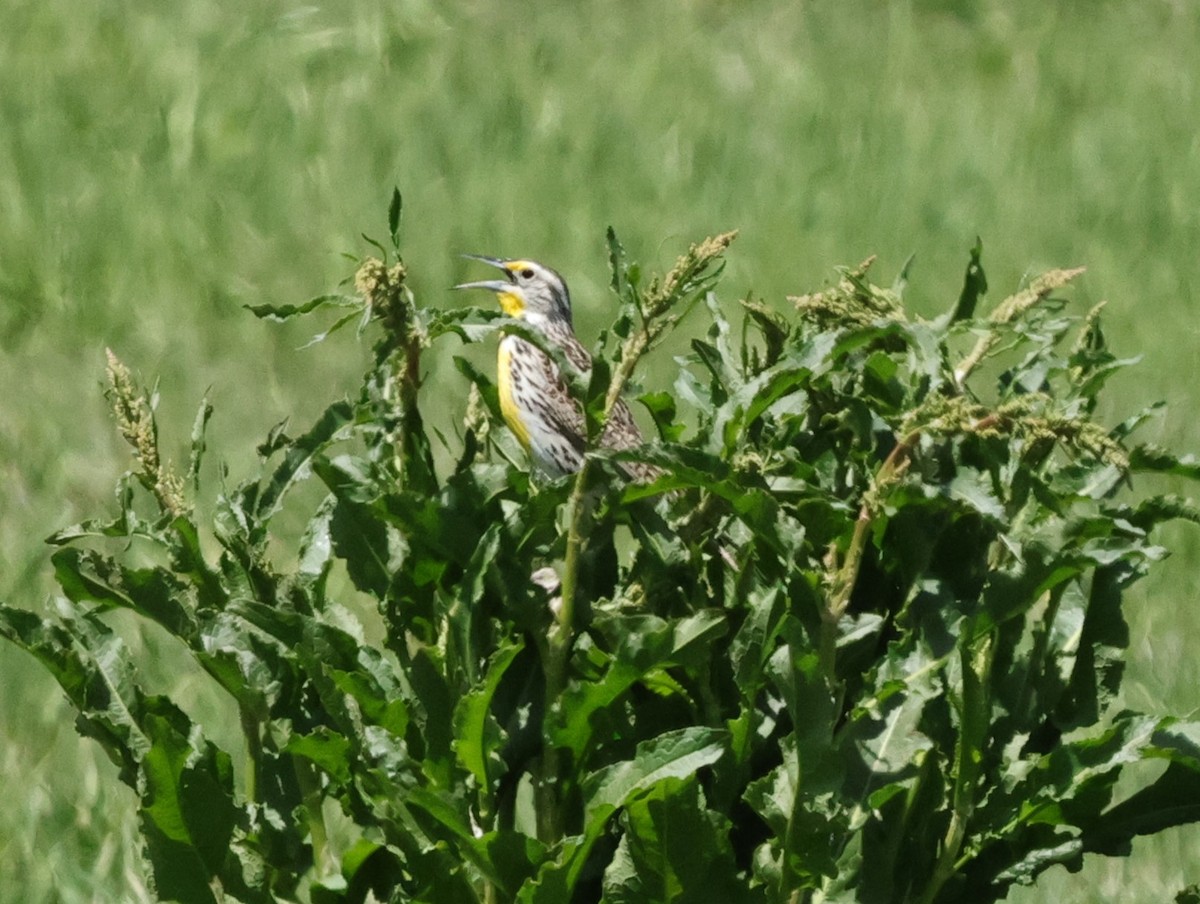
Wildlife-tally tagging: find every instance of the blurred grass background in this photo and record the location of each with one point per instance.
(163, 165)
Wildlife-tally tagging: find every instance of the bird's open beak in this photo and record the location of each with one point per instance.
(494, 261)
(493, 285)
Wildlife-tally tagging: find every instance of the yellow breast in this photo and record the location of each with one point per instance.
(508, 405)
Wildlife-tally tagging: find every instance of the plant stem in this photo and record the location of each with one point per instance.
(1012, 308)
(973, 722)
(251, 729)
(310, 791)
(632, 352)
(549, 822)
(846, 575)
(634, 348)
(549, 817)
(790, 844)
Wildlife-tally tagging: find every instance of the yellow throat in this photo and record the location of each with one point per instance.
(511, 304)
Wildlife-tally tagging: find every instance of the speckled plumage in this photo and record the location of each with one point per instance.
(535, 401)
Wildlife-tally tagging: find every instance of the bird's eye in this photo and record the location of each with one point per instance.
(526, 273)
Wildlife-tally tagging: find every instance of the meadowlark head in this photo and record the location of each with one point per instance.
(531, 292)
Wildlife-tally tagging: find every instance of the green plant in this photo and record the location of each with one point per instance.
(861, 644)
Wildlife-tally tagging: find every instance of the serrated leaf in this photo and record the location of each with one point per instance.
(85, 575)
(326, 749)
(1153, 458)
(288, 311)
(92, 666)
(471, 324)
(188, 814)
(976, 489)
(298, 457)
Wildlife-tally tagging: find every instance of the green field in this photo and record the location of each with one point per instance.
(161, 167)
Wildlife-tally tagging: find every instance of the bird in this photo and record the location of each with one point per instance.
(534, 399)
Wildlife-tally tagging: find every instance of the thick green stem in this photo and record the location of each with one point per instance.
(549, 820)
(570, 580)
(252, 730)
(549, 816)
(791, 843)
(634, 348)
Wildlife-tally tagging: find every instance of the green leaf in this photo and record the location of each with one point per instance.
(616, 261)
(288, 311)
(476, 739)
(505, 858)
(1100, 662)
(469, 323)
(673, 849)
(974, 286)
(773, 328)
(753, 643)
(188, 813)
(435, 718)
(326, 749)
(673, 754)
(1060, 810)
(248, 666)
(513, 858)
(1171, 800)
(342, 322)
(642, 645)
(1155, 459)
(900, 283)
(395, 209)
(85, 575)
(372, 549)
(299, 456)
(368, 868)
(556, 877)
(773, 795)
(92, 666)
(661, 406)
(1189, 895)
(196, 456)
(976, 490)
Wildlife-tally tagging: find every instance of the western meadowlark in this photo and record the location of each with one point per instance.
(535, 402)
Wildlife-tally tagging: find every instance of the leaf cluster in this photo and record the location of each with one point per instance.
(860, 641)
